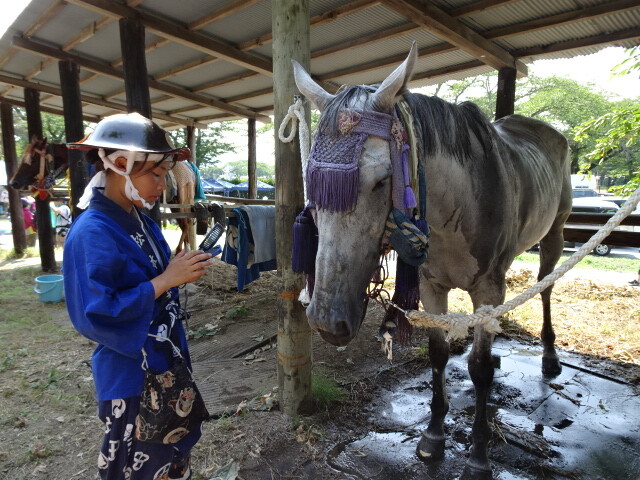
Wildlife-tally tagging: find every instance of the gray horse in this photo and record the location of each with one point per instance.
(493, 190)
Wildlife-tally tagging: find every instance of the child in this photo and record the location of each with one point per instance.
(121, 285)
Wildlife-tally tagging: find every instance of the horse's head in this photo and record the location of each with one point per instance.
(349, 180)
(41, 164)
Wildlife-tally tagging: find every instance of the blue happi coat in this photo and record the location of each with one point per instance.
(107, 266)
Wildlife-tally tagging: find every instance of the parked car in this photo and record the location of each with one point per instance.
(593, 205)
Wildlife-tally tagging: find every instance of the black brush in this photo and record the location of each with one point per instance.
(211, 238)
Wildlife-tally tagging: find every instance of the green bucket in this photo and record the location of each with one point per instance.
(49, 288)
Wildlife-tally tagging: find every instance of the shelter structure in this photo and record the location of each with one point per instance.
(189, 63)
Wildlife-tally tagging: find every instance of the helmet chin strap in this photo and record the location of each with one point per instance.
(130, 191)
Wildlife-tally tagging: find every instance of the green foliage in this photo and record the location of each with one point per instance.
(210, 143)
(326, 391)
(616, 134)
(616, 264)
(237, 312)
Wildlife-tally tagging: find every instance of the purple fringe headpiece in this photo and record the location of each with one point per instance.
(332, 172)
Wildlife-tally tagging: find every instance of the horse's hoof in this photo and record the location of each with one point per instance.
(429, 450)
(475, 471)
(551, 366)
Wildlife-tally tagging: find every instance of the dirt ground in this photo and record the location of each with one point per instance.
(48, 427)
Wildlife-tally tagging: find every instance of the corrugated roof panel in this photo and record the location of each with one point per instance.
(255, 21)
(365, 22)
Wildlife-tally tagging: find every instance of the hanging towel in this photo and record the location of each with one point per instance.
(238, 250)
(199, 191)
(262, 219)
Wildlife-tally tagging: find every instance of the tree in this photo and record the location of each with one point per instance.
(210, 143)
(618, 132)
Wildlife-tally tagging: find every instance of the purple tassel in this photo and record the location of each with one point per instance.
(406, 296)
(334, 190)
(305, 243)
(409, 197)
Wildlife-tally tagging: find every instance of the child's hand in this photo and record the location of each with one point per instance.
(185, 267)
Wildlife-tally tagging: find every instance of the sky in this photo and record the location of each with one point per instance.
(10, 11)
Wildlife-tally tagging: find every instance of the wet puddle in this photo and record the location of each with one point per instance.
(578, 425)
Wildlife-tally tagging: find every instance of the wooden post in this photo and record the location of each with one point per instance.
(251, 138)
(191, 143)
(505, 103)
(192, 135)
(290, 27)
(136, 84)
(74, 130)
(11, 165)
(134, 66)
(46, 231)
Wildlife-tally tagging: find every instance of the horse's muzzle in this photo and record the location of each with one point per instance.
(338, 326)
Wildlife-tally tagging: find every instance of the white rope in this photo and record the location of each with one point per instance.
(458, 323)
(296, 115)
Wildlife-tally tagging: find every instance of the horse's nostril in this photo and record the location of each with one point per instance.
(342, 329)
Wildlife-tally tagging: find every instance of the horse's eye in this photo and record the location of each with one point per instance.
(380, 184)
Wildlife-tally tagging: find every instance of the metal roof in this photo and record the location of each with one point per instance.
(220, 52)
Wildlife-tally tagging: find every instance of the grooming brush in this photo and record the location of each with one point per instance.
(211, 238)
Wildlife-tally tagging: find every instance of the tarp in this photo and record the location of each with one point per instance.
(244, 186)
(216, 185)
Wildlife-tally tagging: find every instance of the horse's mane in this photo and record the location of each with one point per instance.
(441, 126)
(449, 128)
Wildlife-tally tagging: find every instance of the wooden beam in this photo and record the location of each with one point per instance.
(106, 69)
(361, 41)
(181, 35)
(18, 82)
(449, 29)
(478, 7)
(601, 39)
(221, 13)
(54, 111)
(329, 15)
(565, 18)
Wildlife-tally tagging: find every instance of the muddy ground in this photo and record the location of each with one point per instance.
(48, 427)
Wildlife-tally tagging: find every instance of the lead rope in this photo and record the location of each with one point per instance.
(295, 115)
(457, 324)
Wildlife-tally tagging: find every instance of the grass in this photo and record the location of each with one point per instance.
(614, 263)
(326, 391)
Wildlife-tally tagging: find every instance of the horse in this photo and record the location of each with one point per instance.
(42, 163)
(40, 166)
(492, 190)
(181, 179)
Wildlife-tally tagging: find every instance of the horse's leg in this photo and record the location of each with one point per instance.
(551, 247)
(431, 445)
(481, 366)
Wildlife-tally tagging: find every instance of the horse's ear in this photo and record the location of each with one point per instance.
(309, 88)
(396, 82)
